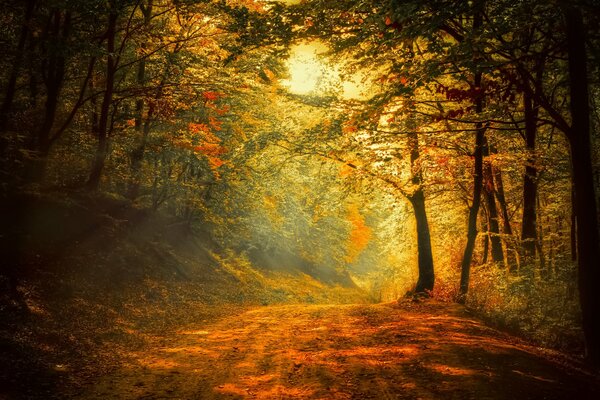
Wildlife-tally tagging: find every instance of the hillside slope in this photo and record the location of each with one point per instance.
(86, 276)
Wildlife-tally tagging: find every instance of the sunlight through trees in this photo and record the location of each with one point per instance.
(268, 152)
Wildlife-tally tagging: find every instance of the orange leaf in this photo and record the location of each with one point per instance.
(360, 235)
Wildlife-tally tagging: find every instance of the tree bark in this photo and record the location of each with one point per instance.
(486, 242)
(142, 127)
(529, 221)
(16, 67)
(480, 128)
(588, 248)
(509, 242)
(103, 120)
(539, 243)
(573, 231)
(492, 210)
(53, 80)
(474, 209)
(426, 278)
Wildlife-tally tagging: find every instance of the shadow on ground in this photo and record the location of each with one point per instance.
(429, 351)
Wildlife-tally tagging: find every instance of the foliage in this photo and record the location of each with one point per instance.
(463, 134)
(545, 311)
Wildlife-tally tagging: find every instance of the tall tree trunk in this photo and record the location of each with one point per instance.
(486, 241)
(492, 210)
(539, 243)
(509, 242)
(501, 198)
(474, 209)
(529, 221)
(583, 177)
(103, 120)
(572, 282)
(426, 278)
(142, 127)
(573, 231)
(426, 272)
(15, 69)
(137, 158)
(54, 78)
(480, 128)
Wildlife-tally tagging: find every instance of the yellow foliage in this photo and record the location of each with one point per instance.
(360, 235)
(345, 170)
(349, 127)
(270, 204)
(269, 74)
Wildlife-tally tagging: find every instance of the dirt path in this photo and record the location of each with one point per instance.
(431, 351)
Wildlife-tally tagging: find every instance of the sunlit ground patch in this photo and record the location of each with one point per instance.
(191, 350)
(196, 332)
(269, 392)
(318, 328)
(245, 365)
(454, 371)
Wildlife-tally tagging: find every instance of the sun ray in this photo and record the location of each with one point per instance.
(307, 71)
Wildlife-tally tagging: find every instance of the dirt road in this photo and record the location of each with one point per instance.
(421, 351)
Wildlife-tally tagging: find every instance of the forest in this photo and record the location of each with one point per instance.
(299, 199)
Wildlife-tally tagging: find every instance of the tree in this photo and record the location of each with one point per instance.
(588, 239)
(104, 124)
(17, 62)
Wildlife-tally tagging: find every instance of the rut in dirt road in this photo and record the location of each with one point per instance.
(428, 351)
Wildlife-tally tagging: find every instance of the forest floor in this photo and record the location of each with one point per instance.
(425, 350)
(120, 303)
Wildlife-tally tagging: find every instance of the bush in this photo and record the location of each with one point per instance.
(543, 309)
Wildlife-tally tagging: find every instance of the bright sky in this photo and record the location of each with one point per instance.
(311, 73)
(307, 71)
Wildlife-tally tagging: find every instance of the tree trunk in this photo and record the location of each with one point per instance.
(16, 67)
(583, 177)
(573, 232)
(492, 211)
(426, 280)
(54, 78)
(480, 129)
(474, 209)
(426, 272)
(528, 226)
(137, 157)
(486, 242)
(142, 127)
(509, 242)
(539, 243)
(103, 120)
(493, 229)
(501, 198)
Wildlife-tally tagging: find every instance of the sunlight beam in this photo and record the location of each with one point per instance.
(307, 72)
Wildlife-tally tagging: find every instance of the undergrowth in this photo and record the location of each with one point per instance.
(542, 308)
